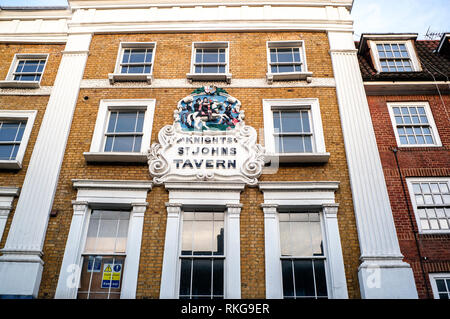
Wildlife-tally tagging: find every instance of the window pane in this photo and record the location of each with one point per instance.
(218, 239)
(304, 278)
(285, 68)
(185, 277)
(126, 56)
(321, 282)
(126, 122)
(300, 244)
(137, 144)
(308, 143)
(440, 283)
(186, 245)
(296, 55)
(123, 144)
(276, 122)
(203, 241)
(285, 55)
(210, 69)
(6, 151)
(218, 277)
(316, 238)
(273, 55)
(201, 277)
(290, 122)
(137, 56)
(108, 144)
(305, 121)
(8, 131)
(288, 280)
(292, 144)
(122, 235)
(210, 55)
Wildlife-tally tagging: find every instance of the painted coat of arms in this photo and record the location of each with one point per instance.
(207, 141)
(209, 108)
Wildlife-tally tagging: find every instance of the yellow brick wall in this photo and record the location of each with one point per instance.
(248, 60)
(8, 50)
(248, 53)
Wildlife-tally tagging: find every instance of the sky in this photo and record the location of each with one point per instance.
(400, 16)
(370, 16)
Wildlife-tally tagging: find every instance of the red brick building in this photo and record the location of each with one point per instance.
(407, 85)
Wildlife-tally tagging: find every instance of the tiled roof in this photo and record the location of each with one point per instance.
(432, 62)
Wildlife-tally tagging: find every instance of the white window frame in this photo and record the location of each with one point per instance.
(433, 277)
(409, 183)
(11, 83)
(302, 75)
(318, 196)
(415, 64)
(97, 153)
(180, 257)
(303, 210)
(103, 194)
(205, 195)
(18, 115)
(430, 119)
(192, 76)
(319, 154)
(117, 76)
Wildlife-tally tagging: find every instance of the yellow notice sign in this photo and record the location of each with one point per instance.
(111, 275)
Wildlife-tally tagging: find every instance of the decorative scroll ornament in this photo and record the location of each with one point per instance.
(208, 141)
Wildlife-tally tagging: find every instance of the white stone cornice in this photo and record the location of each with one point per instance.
(184, 83)
(299, 185)
(111, 184)
(43, 90)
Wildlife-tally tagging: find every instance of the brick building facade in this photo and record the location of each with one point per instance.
(411, 161)
(292, 221)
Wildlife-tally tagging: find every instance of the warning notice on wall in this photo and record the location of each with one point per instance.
(111, 275)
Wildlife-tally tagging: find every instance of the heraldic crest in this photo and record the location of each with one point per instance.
(209, 108)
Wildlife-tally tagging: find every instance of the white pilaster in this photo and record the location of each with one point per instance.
(274, 281)
(233, 254)
(338, 284)
(376, 230)
(70, 269)
(23, 249)
(134, 240)
(170, 260)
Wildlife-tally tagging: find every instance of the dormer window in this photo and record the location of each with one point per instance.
(391, 53)
(394, 57)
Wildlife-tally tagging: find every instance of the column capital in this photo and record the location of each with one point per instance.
(270, 210)
(139, 207)
(79, 207)
(330, 210)
(173, 210)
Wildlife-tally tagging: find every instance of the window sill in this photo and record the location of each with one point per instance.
(115, 157)
(289, 76)
(209, 77)
(299, 157)
(435, 232)
(420, 146)
(20, 84)
(13, 164)
(118, 77)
